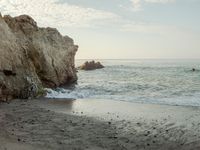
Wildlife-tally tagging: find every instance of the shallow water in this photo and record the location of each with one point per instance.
(169, 82)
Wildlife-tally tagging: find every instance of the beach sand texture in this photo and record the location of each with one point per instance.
(97, 125)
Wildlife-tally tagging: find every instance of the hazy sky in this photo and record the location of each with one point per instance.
(120, 28)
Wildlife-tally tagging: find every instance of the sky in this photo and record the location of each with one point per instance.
(120, 29)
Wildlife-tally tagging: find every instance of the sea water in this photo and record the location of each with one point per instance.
(170, 82)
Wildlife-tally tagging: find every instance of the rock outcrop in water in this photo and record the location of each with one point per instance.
(92, 65)
(33, 57)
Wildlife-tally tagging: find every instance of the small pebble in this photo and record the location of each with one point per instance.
(62, 130)
(60, 142)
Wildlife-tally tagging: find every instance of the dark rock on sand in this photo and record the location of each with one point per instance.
(92, 65)
(32, 58)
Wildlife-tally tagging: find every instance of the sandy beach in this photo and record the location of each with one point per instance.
(97, 124)
(99, 75)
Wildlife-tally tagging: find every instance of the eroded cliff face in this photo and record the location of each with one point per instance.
(33, 57)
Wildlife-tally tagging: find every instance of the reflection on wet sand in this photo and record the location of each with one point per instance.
(66, 104)
(109, 109)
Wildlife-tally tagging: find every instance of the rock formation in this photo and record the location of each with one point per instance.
(92, 65)
(33, 57)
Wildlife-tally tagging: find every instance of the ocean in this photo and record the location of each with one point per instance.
(169, 82)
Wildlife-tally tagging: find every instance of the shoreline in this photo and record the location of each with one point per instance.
(102, 108)
(82, 124)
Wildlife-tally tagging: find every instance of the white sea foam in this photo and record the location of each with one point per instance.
(64, 93)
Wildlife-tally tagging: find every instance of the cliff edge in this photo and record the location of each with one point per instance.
(32, 58)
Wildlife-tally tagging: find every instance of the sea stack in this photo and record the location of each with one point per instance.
(32, 58)
(92, 65)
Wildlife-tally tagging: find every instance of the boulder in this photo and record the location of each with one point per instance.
(92, 65)
(32, 58)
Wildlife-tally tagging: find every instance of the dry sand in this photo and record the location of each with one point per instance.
(96, 125)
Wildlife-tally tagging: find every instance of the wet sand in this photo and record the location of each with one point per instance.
(97, 124)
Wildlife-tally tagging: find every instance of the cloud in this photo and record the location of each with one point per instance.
(147, 28)
(53, 13)
(162, 30)
(159, 1)
(153, 28)
(137, 4)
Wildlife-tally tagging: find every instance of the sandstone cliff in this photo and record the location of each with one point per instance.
(33, 57)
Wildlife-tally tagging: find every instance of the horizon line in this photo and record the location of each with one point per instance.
(137, 58)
